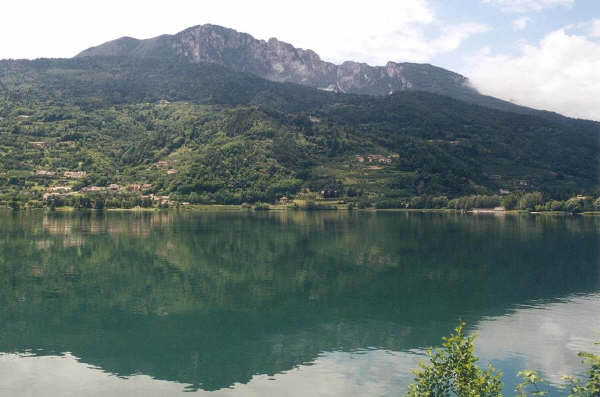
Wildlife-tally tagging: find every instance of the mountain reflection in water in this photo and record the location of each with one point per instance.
(283, 303)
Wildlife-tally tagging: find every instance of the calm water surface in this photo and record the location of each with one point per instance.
(285, 304)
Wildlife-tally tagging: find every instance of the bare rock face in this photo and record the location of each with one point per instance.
(279, 61)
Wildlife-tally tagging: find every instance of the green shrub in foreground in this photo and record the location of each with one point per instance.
(452, 371)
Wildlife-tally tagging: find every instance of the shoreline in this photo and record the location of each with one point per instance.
(284, 208)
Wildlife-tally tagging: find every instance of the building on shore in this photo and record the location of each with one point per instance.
(75, 174)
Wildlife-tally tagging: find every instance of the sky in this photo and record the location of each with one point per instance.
(539, 53)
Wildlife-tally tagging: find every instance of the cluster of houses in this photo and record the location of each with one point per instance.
(45, 173)
(444, 141)
(57, 191)
(38, 144)
(164, 164)
(110, 188)
(113, 187)
(504, 191)
(162, 200)
(167, 165)
(138, 187)
(43, 145)
(75, 174)
(330, 193)
(66, 174)
(374, 158)
(61, 191)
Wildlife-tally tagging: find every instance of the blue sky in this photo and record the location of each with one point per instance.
(538, 53)
(503, 37)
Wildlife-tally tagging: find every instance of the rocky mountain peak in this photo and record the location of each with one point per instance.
(280, 61)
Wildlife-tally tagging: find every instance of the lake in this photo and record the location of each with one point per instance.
(285, 303)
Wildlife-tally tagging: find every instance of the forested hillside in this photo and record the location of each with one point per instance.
(202, 133)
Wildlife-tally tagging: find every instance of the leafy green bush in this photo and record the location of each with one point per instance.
(389, 203)
(474, 201)
(587, 386)
(574, 205)
(529, 201)
(590, 384)
(262, 207)
(453, 371)
(510, 202)
(364, 204)
(531, 384)
(313, 206)
(557, 205)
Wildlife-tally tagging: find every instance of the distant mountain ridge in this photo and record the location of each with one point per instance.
(279, 61)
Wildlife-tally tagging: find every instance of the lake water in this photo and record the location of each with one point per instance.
(285, 304)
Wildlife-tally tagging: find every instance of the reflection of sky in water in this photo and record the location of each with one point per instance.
(368, 373)
(543, 336)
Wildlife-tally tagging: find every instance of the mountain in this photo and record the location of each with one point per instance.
(279, 61)
(204, 133)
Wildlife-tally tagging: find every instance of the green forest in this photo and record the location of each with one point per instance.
(125, 132)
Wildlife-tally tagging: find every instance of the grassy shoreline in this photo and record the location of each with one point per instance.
(327, 207)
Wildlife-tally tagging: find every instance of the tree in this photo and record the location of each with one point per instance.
(14, 204)
(83, 202)
(510, 202)
(574, 205)
(530, 200)
(556, 205)
(453, 371)
(98, 203)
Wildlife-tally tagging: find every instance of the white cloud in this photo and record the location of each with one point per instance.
(521, 23)
(376, 32)
(528, 5)
(453, 36)
(411, 43)
(561, 73)
(595, 30)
